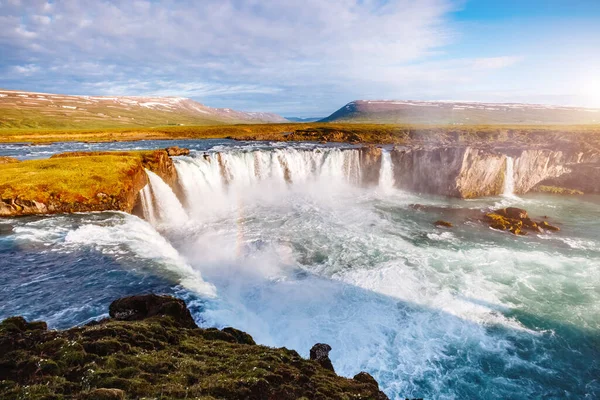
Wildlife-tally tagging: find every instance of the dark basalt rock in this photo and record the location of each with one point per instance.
(177, 151)
(151, 348)
(320, 353)
(366, 378)
(136, 308)
(240, 336)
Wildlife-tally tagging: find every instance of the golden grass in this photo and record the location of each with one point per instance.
(69, 180)
(337, 132)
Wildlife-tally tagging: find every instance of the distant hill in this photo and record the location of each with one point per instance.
(461, 113)
(300, 119)
(43, 110)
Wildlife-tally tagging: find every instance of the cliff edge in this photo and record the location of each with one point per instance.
(151, 347)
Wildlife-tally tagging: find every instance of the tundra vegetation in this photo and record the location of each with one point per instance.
(556, 136)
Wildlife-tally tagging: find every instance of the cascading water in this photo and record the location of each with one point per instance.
(509, 179)
(161, 204)
(386, 173)
(219, 181)
(285, 242)
(148, 204)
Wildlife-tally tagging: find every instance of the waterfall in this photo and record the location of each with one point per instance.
(386, 173)
(509, 178)
(218, 181)
(148, 204)
(160, 203)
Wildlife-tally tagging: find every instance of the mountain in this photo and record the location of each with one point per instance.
(461, 113)
(42, 110)
(300, 119)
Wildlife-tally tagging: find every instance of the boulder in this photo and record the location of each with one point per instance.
(545, 225)
(177, 151)
(240, 336)
(512, 212)
(517, 221)
(320, 353)
(136, 308)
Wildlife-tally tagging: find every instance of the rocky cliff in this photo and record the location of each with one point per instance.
(80, 182)
(150, 347)
(470, 171)
(451, 171)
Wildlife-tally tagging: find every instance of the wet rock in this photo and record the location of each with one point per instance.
(177, 151)
(545, 225)
(135, 308)
(443, 224)
(516, 220)
(513, 212)
(320, 353)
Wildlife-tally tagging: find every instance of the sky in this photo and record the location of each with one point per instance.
(305, 58)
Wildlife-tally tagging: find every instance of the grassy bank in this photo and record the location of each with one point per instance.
(79, 182)
(330, 132)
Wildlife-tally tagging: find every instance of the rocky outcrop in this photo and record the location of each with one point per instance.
(516, 221)
(534, 166)
(370, 163)
(320, 353)
(470, 172)
(581, 178)
(151, 348)
(177, 151)
(451, 171)
(137, 308)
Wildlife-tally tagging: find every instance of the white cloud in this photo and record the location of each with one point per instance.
(26, 70)
(289, 50)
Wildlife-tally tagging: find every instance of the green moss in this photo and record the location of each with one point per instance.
(157, 358)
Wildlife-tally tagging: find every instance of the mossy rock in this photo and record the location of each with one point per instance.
(158, 357)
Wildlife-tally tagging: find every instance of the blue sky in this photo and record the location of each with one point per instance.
(309, 57)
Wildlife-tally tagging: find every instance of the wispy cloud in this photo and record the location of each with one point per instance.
(233, 51)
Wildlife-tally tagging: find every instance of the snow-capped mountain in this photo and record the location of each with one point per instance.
(29, 109)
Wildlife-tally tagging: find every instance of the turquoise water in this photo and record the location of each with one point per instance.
(457, 313)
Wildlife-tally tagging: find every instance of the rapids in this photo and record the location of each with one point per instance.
(284, 242)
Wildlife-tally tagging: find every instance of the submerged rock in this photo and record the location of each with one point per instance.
(151, 348)
(516, 221)
(443, 224)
